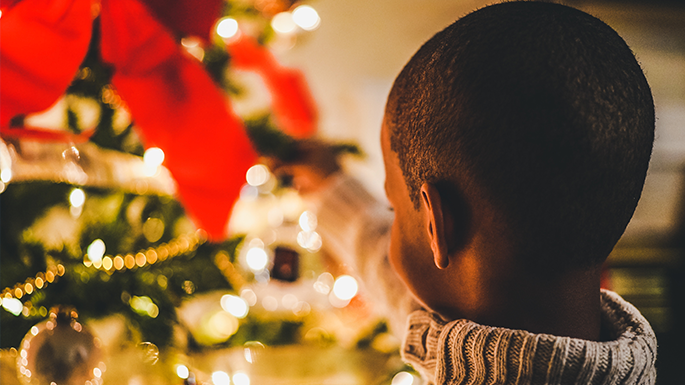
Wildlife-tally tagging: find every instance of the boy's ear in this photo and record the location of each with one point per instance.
(438, 225)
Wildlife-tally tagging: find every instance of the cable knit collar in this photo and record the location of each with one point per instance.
(464, 352)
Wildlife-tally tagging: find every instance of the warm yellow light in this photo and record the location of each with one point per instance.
(306, 17)
(182, 371)
(345, 287)
(227, 28)
(241, 379)
(221, 378)
(310, 240)
(13, 305)
(308, 221)
(257, 259)
(96, 250)
(283, 23)
(324, 283)
(118, 262)
(403, 378)
(6, 175)
(289, 301)
(154, 156)
(249, 296)
(257, 175)
(129, 261)
(77, 197)
(140, 259)
(270, 303)
(235, 305)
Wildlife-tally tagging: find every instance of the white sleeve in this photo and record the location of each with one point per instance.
(355, 228)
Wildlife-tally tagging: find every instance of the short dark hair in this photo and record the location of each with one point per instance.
(546, 110)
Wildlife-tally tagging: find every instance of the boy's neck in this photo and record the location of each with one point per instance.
(566, 305)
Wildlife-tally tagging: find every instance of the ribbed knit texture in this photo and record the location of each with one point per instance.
(464, 352)
(355, 227)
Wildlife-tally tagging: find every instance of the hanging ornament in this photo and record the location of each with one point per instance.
(286, 265)
(60, 351)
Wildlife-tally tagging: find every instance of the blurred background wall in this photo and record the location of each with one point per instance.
(362, 45)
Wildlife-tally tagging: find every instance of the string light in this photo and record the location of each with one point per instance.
(178, 246)
(10, 296)
(95, 251)
(40, 281)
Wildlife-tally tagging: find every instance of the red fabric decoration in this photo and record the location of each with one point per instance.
(292, 104)
(43, 44)
(190, 17)
(179, 109)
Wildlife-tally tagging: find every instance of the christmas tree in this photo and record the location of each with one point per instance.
(115, 201)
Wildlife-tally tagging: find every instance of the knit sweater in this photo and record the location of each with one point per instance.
(464, 352)
(355, 228)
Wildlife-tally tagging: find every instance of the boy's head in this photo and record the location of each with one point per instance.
(539, 109)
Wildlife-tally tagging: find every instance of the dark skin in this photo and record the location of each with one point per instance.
(463, 266)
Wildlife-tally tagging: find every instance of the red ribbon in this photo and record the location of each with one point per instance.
(178, 108)
(43, 44)
(293, 106)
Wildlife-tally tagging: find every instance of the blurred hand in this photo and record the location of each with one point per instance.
(314, 161)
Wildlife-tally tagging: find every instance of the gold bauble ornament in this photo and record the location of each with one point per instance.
(60, 351)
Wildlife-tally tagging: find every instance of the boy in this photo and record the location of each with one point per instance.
(516, 143)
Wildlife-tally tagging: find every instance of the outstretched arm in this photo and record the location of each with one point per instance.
(354, 226)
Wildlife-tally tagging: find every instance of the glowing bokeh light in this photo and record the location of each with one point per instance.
(403, 378)
(310, 240)
(77, 197)
(270, 303)
(289, 301)
(221, 326)
(308, 221)
(182, 371)
(221, 378)
(6, 175)
(241, 379)
(227, 28)
(153, 157)
(257, 175)
(96, 250)
(143, 305)
(235, 305)
(345, 287)
(306, 17)
(12, 305)
(283, 23)
(257, 259)
(249, 296)
(324, 283)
